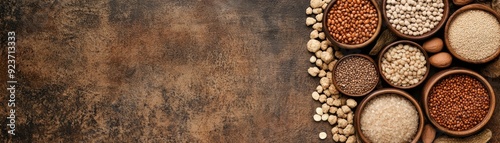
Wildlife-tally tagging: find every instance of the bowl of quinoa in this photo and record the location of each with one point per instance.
(472, 34)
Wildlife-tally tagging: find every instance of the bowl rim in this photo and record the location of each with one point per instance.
(446, 12)
(452, 18)
(347, 46)
(334, 81)
(357, 116)
(386, 48)
(454, 71)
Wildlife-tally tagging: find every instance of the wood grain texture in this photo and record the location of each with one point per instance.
(163, 71)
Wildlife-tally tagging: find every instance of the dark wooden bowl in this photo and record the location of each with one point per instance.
(348, 46)
(428, 65)
(334, 82)
(453, 16)
(357, 116)
(440, 75)
(446, 11)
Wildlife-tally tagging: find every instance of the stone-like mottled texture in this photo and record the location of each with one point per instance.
(162, 71)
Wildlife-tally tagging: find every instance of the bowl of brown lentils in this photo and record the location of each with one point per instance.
(415, 19)
(403, 64)
(352, 24)
(458, 102)
(355, 75)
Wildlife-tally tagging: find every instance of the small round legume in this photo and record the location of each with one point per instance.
(404, 65)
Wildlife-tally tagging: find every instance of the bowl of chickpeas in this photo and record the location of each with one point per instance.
(415, 19)
(352, 24)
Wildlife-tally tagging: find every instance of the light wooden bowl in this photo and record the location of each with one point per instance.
(428, 65)
(446, 11)
(440, 75)
(360, 108)
(348, 46)
(453, 16)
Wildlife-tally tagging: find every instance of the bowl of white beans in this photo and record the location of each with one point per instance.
(415, 19)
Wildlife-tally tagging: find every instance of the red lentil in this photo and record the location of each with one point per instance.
(458, 102)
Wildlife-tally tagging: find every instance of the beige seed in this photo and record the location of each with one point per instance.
(322, 135)
(317, 117)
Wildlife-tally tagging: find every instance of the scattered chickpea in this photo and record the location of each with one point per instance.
(332, 119)
(309, 10)
(317, 117)
(350, 118)
(322, 36)
(310, 21)
(318, 26)
(318, 54)
(316, 3)
(340, 113)
(349, 130)
(319, 17)
(314, 34)
(335, 130)
(336, 137)
(337, 103)
(324, 44)
(329, 101)
(322, 73)
(325, 108)
(322, 135)
(351, 103)
(333, 110)
(342, 123)
(327, 93)
(324, 117)
(325, 82)
(326, 57)
(351, 139)
(346, 109)
(317, 10)
(315, 95)
(322, 98)
(313, 71)
(342, 138)
(312, 59)
(331, 65)
(319, 111)
(313, 45)
(319, 88)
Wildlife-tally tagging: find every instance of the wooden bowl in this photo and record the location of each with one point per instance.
(345, 57)
(453, 16)
(446, 11)
(440, 75)
(395, 44)
(357, 116)
(348, 46)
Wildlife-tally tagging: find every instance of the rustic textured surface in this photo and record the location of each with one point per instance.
(156, 71)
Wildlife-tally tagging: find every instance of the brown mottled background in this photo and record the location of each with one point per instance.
(161, 71)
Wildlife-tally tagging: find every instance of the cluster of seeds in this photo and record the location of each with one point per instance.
(352, 21)
(414, 18)
(475, 34)
(335, 109)
(458, 102)
(404, 65)
(356, 75)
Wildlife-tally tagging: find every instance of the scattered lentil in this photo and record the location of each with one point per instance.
(356, 75)
(458, 102)
(474, 34)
